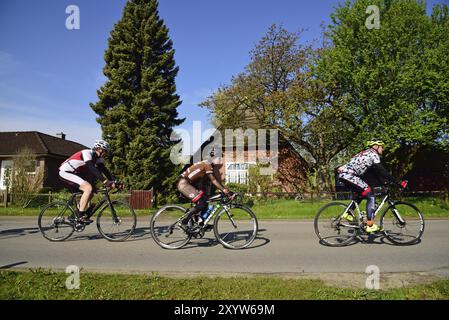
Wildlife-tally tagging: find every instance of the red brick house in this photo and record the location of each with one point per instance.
(49, 151)
(289, 171)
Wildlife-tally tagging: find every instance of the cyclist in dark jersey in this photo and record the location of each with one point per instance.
(75, 169)
(352, 174)
(195, 173)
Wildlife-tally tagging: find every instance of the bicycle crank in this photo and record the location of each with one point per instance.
(79, 227)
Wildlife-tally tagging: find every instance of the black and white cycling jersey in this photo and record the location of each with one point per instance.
(361, 162)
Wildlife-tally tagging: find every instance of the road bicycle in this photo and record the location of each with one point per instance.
(235, 225)
(116, 220)
(401, 222)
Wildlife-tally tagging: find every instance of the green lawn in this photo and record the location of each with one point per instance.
(281, 209)
(44, 284)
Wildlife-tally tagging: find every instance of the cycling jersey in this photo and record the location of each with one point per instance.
(77, 162)
(356, 168)
(74, 169)
(198, 171)
(361, 162)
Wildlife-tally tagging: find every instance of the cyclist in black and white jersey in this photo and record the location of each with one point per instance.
(74, 172)
(352, 174)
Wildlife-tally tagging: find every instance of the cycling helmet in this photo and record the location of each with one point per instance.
(101, 144)
(373, 142)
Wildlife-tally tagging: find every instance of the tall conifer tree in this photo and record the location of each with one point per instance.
(137, 107)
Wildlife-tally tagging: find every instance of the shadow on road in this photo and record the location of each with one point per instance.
(85, 237)
(19, 232)
(140, 234)
(259, 241)
(378, 239)
(7, 266)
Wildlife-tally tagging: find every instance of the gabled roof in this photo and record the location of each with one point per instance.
(40, 143)
(211, 143)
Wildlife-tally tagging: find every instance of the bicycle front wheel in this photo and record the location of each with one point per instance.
(403, 223)
(165, 227)
(53, 221)
(117, 221)
(235, 227)
(331, 228)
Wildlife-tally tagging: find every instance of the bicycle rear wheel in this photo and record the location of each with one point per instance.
(53, 221)
(331, 228)
(117, 223)
(235, 227)
(165, 227)
(403, 223)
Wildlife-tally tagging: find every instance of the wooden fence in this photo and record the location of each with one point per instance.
(142, 199)
(138, 199)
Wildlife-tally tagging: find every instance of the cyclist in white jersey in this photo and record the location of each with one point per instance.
(75, 169)
(352, 175)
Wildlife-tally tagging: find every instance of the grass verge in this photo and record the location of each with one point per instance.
(278, 209)
(45, 284)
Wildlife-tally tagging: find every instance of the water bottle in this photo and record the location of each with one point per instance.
(207, 212)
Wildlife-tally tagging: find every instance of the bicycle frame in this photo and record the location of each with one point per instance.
(216, 209)
(385, 199)
(106, 198)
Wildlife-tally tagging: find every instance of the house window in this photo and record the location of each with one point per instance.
(237, 172)
(30, 167)
(6, 166)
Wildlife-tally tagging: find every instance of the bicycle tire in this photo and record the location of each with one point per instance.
(413, 221)
(249, 227)
(60, 209)
(332, 222)
(159, 228)
(116, 231)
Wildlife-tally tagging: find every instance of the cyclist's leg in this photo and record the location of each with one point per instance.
(87, 189)
(196, 196)
(75, 181)
(370, 205)
(361, 187)
(356, 185)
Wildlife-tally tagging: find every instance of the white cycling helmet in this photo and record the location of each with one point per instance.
(101, 144)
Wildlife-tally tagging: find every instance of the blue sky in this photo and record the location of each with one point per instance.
(49, 74)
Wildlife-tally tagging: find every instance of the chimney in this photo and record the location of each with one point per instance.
(62, 134)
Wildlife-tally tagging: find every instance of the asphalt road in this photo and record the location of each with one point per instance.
(286, 247)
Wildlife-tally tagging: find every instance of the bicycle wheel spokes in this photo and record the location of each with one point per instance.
(236, 227)
(165, 227)
(118, 225)
(331, 228)
(403, 223)
(53, 221)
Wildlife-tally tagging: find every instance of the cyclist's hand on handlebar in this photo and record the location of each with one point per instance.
(109, 184)
(119, 185)
(231, 195)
